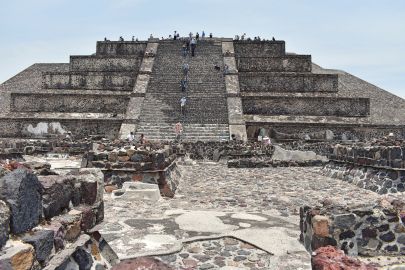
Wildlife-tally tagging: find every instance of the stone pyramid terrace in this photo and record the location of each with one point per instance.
(135, 86)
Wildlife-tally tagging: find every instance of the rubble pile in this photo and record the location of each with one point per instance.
(44, 219)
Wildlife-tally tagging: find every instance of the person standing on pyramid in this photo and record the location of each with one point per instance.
(183, 101)
(193, 45)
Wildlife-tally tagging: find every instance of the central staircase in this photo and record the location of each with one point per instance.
(206, 117)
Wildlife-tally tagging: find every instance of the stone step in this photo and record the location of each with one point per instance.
(206, 109)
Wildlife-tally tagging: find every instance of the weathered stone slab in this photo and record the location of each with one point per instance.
(4, 223)
(42, 241)
(21, 190)
(58, 191)
(17, 256)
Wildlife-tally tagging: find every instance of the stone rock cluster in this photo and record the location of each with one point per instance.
(372, 230)
(43, 216)
(130, 158)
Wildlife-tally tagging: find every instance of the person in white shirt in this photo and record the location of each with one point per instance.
(193, 45)
(131, 137)
(183, 101)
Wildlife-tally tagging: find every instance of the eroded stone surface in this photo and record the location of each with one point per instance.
(21, 190)
(263, 201)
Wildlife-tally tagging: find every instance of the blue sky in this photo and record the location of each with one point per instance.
(363, 37)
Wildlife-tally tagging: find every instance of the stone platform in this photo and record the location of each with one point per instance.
(257, 207)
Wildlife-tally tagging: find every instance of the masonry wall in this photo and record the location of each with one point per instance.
(105, 63)
(287, 82)
(80, 128)
(373, 230)
(318, 106)
(297, 131)
(68, 103)
(261, 49)
(288, 63)
(379, 180)
(120, 48)
(377, 155)
(89, 80)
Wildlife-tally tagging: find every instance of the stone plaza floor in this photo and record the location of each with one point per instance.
(226, 218)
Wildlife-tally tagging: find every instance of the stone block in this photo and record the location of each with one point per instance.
(88, 191)
(42, 241)
(344, 221)
(320, 225)
(71, 223)
(89, 219)
(92, 185)
(58, 234)
(137, 191)
(99, 210)
(83, 259)
(123, 158)
(17, 256)
(58, 192)
(21, 190)
(112, 156)
(4, 223)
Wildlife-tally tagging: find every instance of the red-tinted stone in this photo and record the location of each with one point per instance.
(330, 258)
(89, 192)
(110, 188)
(142, 263)
(88, 218)
(137, 177)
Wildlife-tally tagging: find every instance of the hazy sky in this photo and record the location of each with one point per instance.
(363, 37)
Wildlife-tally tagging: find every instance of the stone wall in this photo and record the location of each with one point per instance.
(28, 147)
(216, 150)
(105, 63)
(288, 63)
(388, 156)
(344, 132)
(319, 106)
(68, 103)
(375, 229)
(259, 49)
(40, 128)
(120, 48)
(288, 82)
(379, 180)
(123, 162)
(89, 80)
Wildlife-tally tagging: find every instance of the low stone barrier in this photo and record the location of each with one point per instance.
(372, 230)
(268, 162)
(216, 150)
(371, 155)
(379, 180)
(29, 147)
(152, 165)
